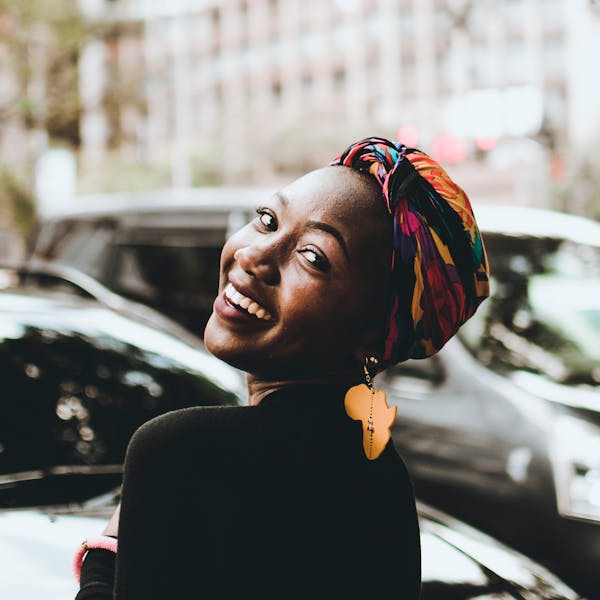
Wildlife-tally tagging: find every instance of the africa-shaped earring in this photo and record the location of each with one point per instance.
(369, 405)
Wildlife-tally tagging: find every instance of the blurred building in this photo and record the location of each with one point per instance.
(250, 88)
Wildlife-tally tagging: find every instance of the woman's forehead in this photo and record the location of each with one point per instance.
(347, 200)
(338, 191)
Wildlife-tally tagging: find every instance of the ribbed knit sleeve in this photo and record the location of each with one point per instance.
(97, 576)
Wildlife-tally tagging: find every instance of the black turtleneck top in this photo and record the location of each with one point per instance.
(270, 501)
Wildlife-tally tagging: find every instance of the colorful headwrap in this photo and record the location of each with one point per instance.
(439, 265)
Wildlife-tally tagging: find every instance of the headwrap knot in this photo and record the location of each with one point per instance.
(439, 266)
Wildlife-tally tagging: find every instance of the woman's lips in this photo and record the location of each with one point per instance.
(237, 299)
(229, 312)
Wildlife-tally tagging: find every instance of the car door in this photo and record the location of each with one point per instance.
(462, 426)
(473, 444)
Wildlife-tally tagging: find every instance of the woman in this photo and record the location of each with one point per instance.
(349, 269)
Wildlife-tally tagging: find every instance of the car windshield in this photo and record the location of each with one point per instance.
(543, 315)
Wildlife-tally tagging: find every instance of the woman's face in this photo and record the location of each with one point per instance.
(303, 286)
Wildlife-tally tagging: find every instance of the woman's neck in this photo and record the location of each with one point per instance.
(259, 387)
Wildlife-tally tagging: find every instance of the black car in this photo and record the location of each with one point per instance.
(81, 369)
(502, 427)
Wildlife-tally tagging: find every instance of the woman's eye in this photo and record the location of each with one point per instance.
(266, 219)
(315, 258)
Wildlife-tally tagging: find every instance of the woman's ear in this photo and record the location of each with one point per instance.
(371, 345)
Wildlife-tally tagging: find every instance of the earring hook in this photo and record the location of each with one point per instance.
(369, 361)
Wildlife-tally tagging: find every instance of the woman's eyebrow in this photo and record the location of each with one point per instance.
(283, 200)
(280, 198)
(332, 231)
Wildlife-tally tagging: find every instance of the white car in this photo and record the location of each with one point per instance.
(37, 546)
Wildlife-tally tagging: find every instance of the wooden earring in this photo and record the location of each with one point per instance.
(369, 405)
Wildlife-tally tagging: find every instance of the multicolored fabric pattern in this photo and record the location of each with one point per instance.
(438, 254)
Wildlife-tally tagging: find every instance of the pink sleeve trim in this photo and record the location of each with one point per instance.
(102, 542)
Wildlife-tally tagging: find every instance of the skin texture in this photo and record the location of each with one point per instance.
(325, 321)
(327, 299)
(112, 527)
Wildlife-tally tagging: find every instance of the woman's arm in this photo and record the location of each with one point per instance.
(98, 568)
(97, 576)
(112, 527)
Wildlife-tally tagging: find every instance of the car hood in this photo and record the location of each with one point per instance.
(36, 550)
(53, 313)
(459, 561)
(565, 395)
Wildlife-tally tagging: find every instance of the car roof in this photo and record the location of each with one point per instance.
(537, 222)
(225, 198)
(491, 218)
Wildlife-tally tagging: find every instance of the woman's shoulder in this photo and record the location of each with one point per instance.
(194, 430)
(195, 418)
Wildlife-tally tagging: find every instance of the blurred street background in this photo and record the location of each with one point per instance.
(121, 95)
(136, 135)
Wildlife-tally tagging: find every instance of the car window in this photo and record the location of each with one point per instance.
(414, 378)
(543, 315)
(174, 272)
(80, 244)
(154, 272)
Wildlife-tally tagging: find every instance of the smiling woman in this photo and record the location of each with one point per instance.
(321, 279)
(349, 269)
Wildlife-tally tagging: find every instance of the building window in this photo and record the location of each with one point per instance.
(246, 93)
(276, 90)
(272, 16)
(554, 57)
(306, 85)
(342, 35)
(481, 65)
(339, 79)
(442, 22)
(217, 96)
(555, 106)
(215, 17)
(408, 73)
(375, 23)
(406, 20)
(215, 29)
(552, 14)
(244, 25)
(514, 15)
(518, 57)
(443, 61)
(479, 17)
(275, 49)
(310, 43)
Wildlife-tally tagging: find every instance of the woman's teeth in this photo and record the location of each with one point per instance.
(246, 303)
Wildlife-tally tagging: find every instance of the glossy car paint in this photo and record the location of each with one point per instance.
(37, 545)
(78, 377)
(497, 444)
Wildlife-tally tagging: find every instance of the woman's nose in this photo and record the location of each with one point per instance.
(258, 261)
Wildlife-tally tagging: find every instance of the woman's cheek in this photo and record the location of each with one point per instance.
(318, 309)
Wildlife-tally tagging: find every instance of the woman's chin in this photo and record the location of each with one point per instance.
(215, 338)
(223, 343)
